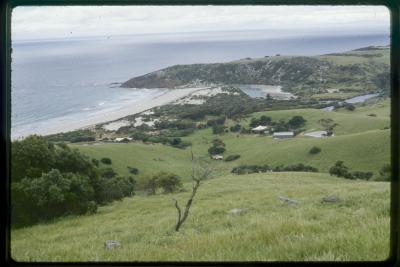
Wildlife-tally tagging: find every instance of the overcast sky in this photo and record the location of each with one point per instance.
(55, 22)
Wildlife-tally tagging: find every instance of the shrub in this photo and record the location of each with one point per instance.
(217, 121)
(106, 161)
(116, 188)
(349, 107)
(50, 196)
(58, 181)
(183, 144)
(235, 128)
(218, 129)
(243, 169)
(215, 150)
(107, 173)
(133, 170)
(362, 175)
(218, 147)
(169, 182)
(385, 173)
(314, 150)
(232, 157)
(340, 170)
(96, 162)
(263, 120)
(147, 183)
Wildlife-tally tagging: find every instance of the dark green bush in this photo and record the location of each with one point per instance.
(314, 150)
(218, 129)
(133, 170)
(52, 195)
(362, 175)
(385, 173)
(243, 169)
(169, 182)
(50, 181)
(106, 161)
(235, 128)
(232, 157)
(340, 170)
(107, 173)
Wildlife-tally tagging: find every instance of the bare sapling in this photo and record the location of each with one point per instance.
(198, 175)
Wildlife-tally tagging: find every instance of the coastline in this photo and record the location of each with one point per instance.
(169, 96)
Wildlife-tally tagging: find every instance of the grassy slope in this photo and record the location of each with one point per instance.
(355, 229)
(359, 141)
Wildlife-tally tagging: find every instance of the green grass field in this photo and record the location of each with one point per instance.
(361, 141)
(356, 228)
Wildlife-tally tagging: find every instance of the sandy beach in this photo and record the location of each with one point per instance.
(168, 97)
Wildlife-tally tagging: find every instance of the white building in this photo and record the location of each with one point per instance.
(317, 134)
(217, 157)
(282, 135)
(123, 139)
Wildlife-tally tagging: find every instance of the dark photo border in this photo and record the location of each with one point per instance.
(6, 7)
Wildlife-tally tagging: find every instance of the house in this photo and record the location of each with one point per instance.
(260, 129)
(282, 135)
(123, 139)
(217, 157)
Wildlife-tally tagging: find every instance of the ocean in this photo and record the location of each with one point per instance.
(56, 82)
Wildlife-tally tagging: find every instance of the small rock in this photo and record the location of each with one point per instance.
(288, 200)
(238, 211)
(330, 199)
(112, 244)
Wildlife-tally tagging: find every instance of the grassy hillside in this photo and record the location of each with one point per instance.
(360, 141)
(356, 228)
(364, 70)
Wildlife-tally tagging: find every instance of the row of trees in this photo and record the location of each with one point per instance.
(49, 181)
(339, 169)
(300, 167)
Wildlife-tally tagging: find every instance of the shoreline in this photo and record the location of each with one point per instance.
(134, 108)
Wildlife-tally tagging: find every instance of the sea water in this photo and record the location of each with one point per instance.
(56, 82)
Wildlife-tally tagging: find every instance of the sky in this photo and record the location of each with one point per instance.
(80, 21)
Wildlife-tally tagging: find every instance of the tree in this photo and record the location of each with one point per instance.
(328, 125)
(264, 120)
(169, 182)
(296, 122)
(31, 157)
(339, 169)
(218, 147)
(200, 173)
(149, 184)
(218, 142)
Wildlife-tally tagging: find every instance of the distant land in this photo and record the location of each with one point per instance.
(363, 70)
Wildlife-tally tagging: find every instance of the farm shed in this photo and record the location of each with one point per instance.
(282, 135)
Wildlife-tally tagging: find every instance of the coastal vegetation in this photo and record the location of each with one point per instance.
(362, 70)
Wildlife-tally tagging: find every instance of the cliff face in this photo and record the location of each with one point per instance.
(363, 68)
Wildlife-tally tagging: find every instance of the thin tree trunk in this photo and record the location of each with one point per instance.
(182, 219)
